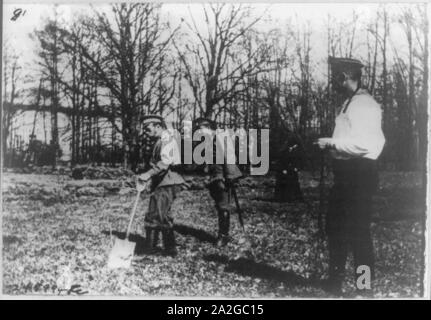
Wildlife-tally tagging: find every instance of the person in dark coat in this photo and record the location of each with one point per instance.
(290, 162)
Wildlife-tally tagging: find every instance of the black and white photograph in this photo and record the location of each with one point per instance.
(214, 150)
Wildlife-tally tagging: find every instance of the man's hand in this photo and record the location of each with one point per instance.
(144, 177)
(140, 187)
(325, 143)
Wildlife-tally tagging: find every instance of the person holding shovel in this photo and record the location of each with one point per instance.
(222, 177)
(164, 183)
(355, 145)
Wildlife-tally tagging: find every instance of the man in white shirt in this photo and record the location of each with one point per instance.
(165, 184)
(355, 145)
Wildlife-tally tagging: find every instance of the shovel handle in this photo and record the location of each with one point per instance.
(132, 215)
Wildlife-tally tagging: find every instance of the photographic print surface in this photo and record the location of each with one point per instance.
(112, 114)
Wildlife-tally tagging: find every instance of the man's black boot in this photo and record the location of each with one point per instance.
(169, 245)
(333, 286)
(223, 234)
(151, 240)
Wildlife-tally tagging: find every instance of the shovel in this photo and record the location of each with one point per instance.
(121, 254)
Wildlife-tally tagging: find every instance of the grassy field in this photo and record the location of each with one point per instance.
(51, 222)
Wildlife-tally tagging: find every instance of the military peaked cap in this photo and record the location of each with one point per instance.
(152, 118)
(344, 64)
(204, 122)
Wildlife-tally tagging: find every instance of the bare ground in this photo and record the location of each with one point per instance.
(50, 222)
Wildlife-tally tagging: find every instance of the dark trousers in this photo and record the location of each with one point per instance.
(221, 198)
(349, 215)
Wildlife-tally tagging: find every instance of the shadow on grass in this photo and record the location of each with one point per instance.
(199, 234)
(264, 199)
(248, 267)
(277, 200)
(141, 248)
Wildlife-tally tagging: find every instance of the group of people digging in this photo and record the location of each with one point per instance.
(165, 182)
(355, 145)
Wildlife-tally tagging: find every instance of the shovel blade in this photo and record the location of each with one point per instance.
(121, 254)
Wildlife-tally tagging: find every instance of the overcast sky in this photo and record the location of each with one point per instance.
(17, 31)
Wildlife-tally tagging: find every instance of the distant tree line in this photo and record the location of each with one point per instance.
(110, 68)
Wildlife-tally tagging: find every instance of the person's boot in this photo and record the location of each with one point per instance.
(151, 240)
(223, 233)
(169, 245)
(333, 284)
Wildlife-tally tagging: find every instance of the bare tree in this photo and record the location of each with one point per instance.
(11, 76)
(206, 63)
(410, 72)
(128, 57)
(303, 49)
(373, 63)
(50, 60)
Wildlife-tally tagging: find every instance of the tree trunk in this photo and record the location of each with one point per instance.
(411, 101)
